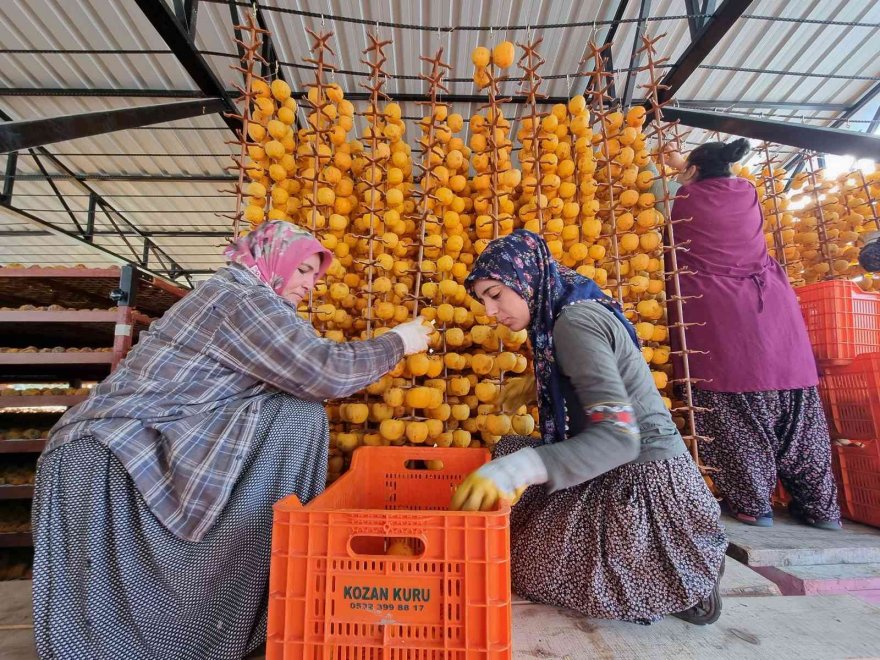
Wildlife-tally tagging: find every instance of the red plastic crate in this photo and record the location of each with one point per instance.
(842, 320)
(851, 395)
(334, 593)
(857, 469)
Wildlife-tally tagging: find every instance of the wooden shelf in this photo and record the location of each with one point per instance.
(22, 446)
(10, 492)
(89, 357)
(66, 316)
(82, 288)
(16, 540)
(38, 401)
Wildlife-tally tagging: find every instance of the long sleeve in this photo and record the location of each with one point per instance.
(584, 341)
(657, 186)
(263, 337)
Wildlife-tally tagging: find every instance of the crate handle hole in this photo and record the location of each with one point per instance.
(387, 546)
(420, 464)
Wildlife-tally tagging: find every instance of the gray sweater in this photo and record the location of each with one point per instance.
(602, 367)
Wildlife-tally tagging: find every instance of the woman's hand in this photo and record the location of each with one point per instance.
(415, 335)
(517, 392)
(502, 480)
(675, 160)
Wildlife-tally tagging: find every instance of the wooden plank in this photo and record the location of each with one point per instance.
(88, 357)
(823, 579)
(16, 540)
(806, 628)
(39, 401)
(64, 316)
(790, 543)
(22, 446)
(10, 492)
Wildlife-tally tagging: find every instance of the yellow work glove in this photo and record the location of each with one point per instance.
(503, 480)
(516, 393)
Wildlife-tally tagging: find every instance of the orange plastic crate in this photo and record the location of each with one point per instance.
(842, 320)
(851, 395)
(857, 469)
(334, 593)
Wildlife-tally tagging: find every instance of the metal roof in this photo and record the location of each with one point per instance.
(797, 61)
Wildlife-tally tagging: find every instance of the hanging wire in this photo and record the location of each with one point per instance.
(548, 26)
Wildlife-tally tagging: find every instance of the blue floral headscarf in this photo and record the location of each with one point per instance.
(522, 261)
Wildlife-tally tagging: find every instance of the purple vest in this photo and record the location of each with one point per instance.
(752, 337)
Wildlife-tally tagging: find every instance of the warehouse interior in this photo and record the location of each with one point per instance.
(129, 168)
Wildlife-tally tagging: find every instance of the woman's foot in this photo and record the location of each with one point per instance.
(764, 520)
(755, 521)
(707, 610)
(830, 525)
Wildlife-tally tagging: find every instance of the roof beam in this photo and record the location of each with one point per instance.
(713, 32)
(802, 136)
(196, 94)
(16, 135)
(57, 231)
(864, 100)
(160, 254)
(183, 47)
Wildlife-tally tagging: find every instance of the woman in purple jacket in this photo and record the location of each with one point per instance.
(749, 351)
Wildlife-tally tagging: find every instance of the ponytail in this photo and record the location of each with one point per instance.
(713, 159)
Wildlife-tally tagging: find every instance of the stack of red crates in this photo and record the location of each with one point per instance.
(843, 323)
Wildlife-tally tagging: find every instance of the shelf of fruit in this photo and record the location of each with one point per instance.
(81, 288)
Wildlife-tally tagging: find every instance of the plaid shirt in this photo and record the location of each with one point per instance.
(181, 410)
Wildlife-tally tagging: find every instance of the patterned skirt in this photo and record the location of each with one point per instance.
(636, 543)
(111, 582)
(758, 437)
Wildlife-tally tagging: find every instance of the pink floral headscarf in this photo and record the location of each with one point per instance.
(274, 250)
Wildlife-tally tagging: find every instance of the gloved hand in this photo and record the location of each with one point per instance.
(415, 335)
(517, 392)
(503, 479)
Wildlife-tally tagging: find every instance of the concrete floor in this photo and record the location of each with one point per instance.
(838, 620)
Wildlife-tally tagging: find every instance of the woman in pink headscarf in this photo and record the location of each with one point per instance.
(153, 504)
(756, 376)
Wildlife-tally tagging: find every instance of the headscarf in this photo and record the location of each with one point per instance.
(274, 250)
(522, 262)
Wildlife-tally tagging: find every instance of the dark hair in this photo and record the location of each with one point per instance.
(713, 159)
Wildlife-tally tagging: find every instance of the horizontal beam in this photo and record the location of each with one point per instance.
(182, 45)
(132, 178)
(712, 32)
(801, 136)
(182, 233)
(122, 92)
(451, 98)
(50, 228)
(17, 135)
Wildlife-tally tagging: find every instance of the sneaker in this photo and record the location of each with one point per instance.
(707, 610)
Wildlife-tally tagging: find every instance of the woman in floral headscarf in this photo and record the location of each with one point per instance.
(153, 503)
(625, 528)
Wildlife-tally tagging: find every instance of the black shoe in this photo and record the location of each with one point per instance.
(707, 610)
